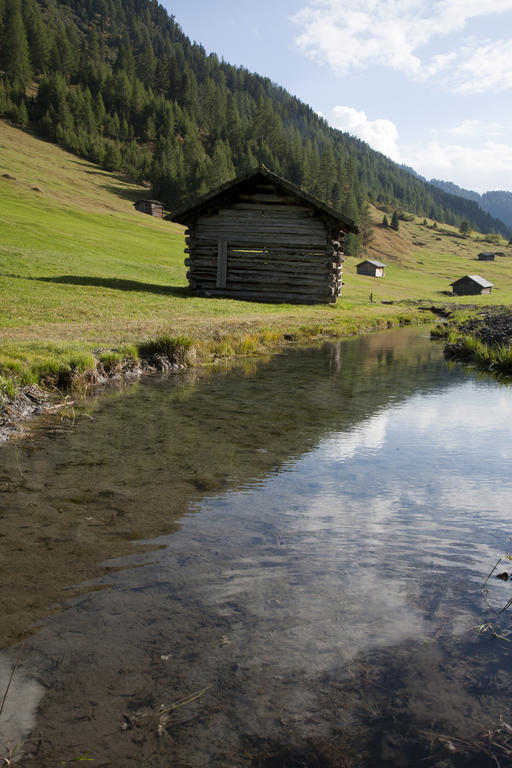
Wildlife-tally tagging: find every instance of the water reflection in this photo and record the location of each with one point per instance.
(333, 515)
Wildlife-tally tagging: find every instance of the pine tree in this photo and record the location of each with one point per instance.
(220, 167)
(352, 245)
(327, 173)
(99, 110)
(37, 38)
(113, 160)
(395, 222)
(366, 225)
(15, 49)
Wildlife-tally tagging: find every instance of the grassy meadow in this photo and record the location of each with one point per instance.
(84, 277)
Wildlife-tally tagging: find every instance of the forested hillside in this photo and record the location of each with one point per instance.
(118, 82)
(497, 203)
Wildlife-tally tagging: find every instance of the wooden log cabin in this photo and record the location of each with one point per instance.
(262, 238)
(151, 207)
(471, 285)
(371, 268)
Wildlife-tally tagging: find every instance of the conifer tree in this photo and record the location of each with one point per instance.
(220, 167)
(395, 222)
(366, 225)
(37, 38)
(15, 53)
(327, 173)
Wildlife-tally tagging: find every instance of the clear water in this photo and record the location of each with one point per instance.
(314, 532)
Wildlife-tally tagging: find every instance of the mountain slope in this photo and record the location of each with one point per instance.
(118, 82)
(497, 203)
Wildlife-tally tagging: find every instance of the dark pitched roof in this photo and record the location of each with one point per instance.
(185, 214)
(371, 261)
(476, 279)
(144, 200)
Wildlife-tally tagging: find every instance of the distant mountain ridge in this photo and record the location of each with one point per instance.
(497, 203)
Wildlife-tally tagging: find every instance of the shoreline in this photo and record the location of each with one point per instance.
(173, 354)
(481, 338)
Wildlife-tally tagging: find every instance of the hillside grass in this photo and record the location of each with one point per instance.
(84, 278)
(422, 260)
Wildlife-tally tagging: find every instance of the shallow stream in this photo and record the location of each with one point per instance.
(274, 564)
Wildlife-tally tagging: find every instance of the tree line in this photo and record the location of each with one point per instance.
(119, 83)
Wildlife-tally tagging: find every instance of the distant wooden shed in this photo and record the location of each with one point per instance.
(262, 238)
(371, 268)
(471, 285)
(151, 207)
(486, 256)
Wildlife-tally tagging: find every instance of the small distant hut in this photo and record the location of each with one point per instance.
(371, 268)
(486, 256)
(151, 207)
(262, 238)
(471, 285)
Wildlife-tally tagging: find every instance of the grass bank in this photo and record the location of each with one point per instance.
(77, 365)
(481, 338)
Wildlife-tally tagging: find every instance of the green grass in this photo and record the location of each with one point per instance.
(462, 343)
(422, 261)
(86, 280)
(470, 349)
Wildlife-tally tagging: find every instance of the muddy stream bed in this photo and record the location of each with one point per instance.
(277, 563)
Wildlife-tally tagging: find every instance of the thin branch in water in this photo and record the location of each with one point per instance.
(18, 460)
(489, 575)
(13, 670)
(182, 703)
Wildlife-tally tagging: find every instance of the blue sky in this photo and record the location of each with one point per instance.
(427, 83)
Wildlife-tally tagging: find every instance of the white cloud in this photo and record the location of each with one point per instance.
(465, 128)
(348, 34)
(471, 153)
(486, 68)
(380, 134)
(482, 168)
(473, 129)
(368, 435)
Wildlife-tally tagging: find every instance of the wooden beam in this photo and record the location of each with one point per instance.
(222, 262)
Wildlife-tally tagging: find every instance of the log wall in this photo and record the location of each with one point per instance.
(467, 287)
(264, 246)
(370, 270)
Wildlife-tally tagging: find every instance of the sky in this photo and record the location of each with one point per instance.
(427, 83)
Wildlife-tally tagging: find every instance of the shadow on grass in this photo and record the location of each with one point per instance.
(118, 284)
(121, 191)
(127, 194)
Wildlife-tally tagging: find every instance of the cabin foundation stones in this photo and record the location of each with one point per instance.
(262, 238)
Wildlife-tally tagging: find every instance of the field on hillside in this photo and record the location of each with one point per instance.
(422, 260)
(82, 271)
